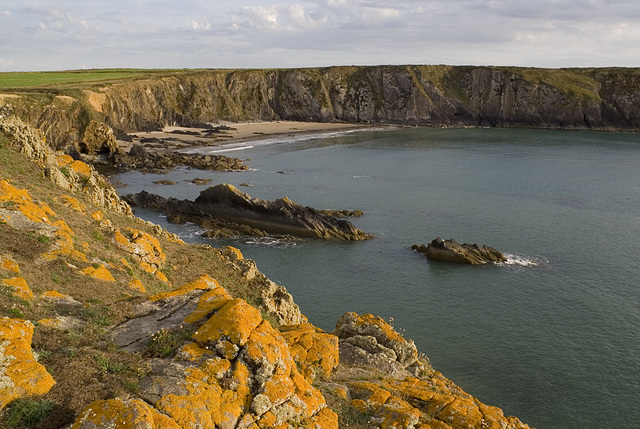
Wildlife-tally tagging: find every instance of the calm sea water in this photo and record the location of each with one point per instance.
(555, 344)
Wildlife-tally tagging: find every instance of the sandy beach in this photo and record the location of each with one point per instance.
(176, 138)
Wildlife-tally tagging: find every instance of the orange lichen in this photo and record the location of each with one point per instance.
(20, 200)
(20, 374)
(203, 283)
(73, 203)
(8, 264)
(144, 248)
(77, 166)
(123, 414)
(137, 285)
(236, 320)
(370, 393)
(315, 350)
(20, 288)
(99, 273)
(232, 253)
(209, 302)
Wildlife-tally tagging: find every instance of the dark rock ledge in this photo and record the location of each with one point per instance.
(451, 251)
(227, 212)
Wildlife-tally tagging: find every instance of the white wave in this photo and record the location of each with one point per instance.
(293, 138)
(519, 261)
(269, 242)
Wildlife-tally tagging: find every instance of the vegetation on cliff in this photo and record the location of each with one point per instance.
(162, 334)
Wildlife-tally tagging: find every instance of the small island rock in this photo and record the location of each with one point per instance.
(451, 251)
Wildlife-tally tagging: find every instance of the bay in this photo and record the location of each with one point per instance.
(555, 343)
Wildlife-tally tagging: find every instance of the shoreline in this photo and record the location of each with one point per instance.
(234, 134)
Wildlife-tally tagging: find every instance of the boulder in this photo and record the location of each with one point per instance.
(451, 251)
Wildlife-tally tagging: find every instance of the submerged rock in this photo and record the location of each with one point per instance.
(225, 207)
(451, 251)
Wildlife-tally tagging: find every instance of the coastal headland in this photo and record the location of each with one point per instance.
(164, 334)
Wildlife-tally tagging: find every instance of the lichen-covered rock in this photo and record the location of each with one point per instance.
(19, 287)
(237, 372)
(7, 264)
(396, 399)
(123, 414)
(145, 248)
(99, 273)
(370, 341)
(20, 374)
(465, 253)
(315, 350)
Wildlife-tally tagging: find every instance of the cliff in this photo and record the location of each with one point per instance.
(162, 334)
(594, 99)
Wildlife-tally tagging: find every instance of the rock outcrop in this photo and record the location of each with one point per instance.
(451, 251)
(237, 370)
(224, 206)
(384, 378)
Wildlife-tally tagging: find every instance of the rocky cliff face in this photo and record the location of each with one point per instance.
(598, 99)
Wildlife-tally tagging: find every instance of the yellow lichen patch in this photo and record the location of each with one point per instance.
(193, 351)
(372, 394)
(20, 374)
(73, 203)
(160, 276)
(99, 273)
(123, 414)
(203, 283)
(20, 200)
(324, 419)
(97, 216)
(64, 244)
(8, 264)
(49, 323)
(278, 388)
(266, 347)
(381, 325)
(397, 413)
(236, 320)
(137, 285)
(461, 412)
(20, 287)
(232, 253)
(209, 302)
(54, 295)
(411, 387)
(77, 166)
(314, 350)
(143, 247)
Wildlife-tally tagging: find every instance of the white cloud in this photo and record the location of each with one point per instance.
(52, 34)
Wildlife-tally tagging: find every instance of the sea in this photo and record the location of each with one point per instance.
(551, 336)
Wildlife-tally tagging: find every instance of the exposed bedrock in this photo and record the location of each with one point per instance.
(451, 251)
(224, 207)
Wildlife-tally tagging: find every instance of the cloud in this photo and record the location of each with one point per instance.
(288, 33)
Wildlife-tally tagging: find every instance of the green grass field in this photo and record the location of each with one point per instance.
(52, 79)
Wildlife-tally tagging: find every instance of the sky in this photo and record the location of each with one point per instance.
(81, 34)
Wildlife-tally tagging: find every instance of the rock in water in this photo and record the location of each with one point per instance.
(226, 203)
(451, 251)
